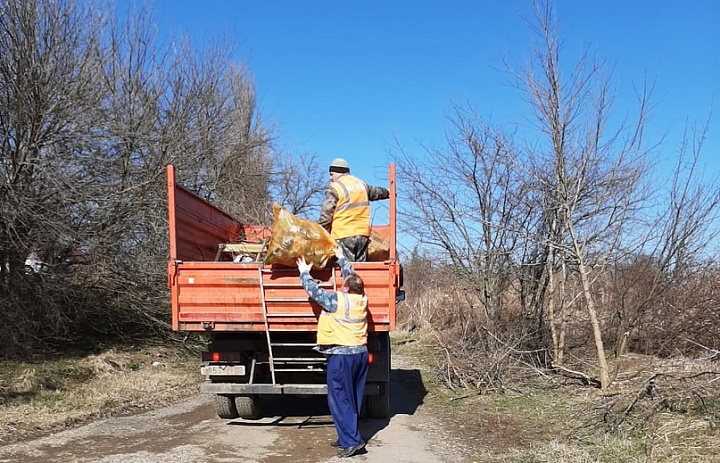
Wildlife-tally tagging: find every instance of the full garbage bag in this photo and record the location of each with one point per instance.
(293, 237)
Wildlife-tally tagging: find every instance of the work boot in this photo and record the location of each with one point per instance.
(350, 451)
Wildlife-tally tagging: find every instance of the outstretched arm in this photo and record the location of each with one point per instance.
(376, 193)
(346, 267)
(326, 299)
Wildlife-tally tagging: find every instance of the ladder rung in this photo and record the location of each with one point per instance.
(313, 386)
(293, 285)
(294, 344)
(299, 359)
(287, 300)
(282, 285)
(296, 315)
(310, 364)
(282, 370)
(284, 361)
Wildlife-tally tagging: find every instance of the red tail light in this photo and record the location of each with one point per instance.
(216, 356)
(370, 357)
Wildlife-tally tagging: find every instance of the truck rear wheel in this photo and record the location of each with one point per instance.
(248, 406)
(378, 406)
(225, 407)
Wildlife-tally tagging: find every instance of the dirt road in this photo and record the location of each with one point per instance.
(292, 430)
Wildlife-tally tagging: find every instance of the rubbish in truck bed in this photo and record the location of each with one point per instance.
(293, 237)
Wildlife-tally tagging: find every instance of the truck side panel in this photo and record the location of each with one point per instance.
(226, 296)
(196, 226)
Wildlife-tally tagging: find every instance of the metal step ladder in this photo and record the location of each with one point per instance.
(291, 363)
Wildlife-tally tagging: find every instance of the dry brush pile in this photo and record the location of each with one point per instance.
(475, 355)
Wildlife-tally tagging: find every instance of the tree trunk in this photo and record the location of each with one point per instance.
(552, 321)
(592, 313)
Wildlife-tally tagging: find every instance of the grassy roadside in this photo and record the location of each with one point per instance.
(548, 420)
(42, 397)
(537, 420)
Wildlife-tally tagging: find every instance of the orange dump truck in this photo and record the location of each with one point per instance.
(260, 323)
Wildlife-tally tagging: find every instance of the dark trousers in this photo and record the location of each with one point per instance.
(346, 376)
(355, 248)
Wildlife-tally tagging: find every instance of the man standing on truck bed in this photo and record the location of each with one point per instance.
(345, 212)
(342, 337)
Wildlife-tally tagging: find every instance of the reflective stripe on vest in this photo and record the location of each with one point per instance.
(352, 212)
(347, 326)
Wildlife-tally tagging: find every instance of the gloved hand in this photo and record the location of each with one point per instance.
(339, 252)
(302, 265)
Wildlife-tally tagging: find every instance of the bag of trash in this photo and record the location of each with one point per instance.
(293, 237)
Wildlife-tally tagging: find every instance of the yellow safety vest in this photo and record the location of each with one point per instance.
(347, 326)
(352, 212)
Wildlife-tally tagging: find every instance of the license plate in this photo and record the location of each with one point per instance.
(222, 370)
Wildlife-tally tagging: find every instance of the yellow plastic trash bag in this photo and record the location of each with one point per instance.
(293, 237)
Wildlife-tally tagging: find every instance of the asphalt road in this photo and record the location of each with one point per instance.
(292, 430)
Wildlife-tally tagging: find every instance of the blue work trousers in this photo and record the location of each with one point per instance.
(346, 376)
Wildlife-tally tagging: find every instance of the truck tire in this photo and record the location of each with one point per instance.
(248, 406)
(225, 407)
(378, 406)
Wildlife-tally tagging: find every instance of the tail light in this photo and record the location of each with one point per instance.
(371, 357)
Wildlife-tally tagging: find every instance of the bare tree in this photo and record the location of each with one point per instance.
(671, 271)
(298, 183)
(49, 84)
(92, 109)
(469, 202)
(591, 178)
(543, 224)
(244, 175)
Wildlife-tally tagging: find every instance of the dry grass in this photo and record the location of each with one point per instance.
(549, 418)
(538, 419)
(39, 398)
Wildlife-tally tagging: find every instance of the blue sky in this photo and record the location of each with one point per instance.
(348, 78)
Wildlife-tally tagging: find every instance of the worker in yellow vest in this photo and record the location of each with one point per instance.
(345, 212)
(342, 338)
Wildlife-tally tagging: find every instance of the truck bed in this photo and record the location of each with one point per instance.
(212, 293)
